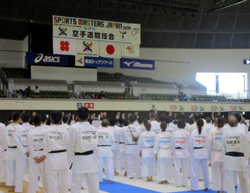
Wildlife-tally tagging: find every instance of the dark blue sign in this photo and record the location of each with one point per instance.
(79, 105)
(137, 64)
(98, 62)
(246, 62)
(47, 59)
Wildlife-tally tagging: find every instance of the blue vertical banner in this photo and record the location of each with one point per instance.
(217, 84)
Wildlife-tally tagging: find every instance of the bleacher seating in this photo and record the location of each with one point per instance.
(13, 72)
(91, 86)
(114, 95)
(119, 77)
(208, 98)
(53, 94)
(168, 97)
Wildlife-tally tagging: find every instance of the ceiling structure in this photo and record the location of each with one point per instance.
(165, 24)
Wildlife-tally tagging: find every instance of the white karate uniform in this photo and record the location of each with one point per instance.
(217, 159)
(66, 126)
(155, 127)
(233, 141)
(170, 129)
(56, 138)
(35, 144)
(141, 128)
(173, 126)
(180, 149)
(162, 147)
(83, 141)
(121, 149)
(21, 158)
(243, 127)
(191, 128)
(114, 147)
(131, 151)
(207, 127)
(146, 145)
(199, 157)
(44, 126)
(2, 154)
(104, 152)
(11, 153)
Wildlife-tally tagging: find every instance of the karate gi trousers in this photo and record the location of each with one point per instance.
(91, 181)
(243, 181)
(114, 158)
(164, 169)
(21, 166)
(148, 168)
(10, 166)
(218, 176)
(107, 163)
(184, 164)
(55, 176)
(2, 165)
(119, 160)
(130, 159)
(195, 173)
(34, 171)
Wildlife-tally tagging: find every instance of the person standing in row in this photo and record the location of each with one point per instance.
(2, 156)
(146, 151)
(199, 156)
(104, 151)
(11, 151)
(56, 149)
(83, 142)
(217, 156)
(180, 149)
(23, 151)
(155, 126)
(163, 155)
(37, 163)
(233, 146)
(131, 135)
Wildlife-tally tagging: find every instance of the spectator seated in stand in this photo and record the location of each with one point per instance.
(36, 92)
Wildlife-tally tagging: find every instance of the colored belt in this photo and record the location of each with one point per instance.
(235, 154)
(178, 148)
(12, 146)
(84, 153)
(104, 146)
(198, 147)
(39, 150)
(58, 151)
(121, 143)
(132, 144)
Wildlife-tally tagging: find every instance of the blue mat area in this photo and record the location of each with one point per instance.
(117, 187)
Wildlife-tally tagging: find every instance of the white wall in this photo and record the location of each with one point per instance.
(181, 65)
(63, 73)
(12, 53)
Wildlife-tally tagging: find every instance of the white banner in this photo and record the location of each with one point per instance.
(64, 46)
(87, 48)
(98, 30)
(110, 50)
(131, 50)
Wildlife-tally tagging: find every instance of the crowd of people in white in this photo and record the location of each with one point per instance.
(72, 156)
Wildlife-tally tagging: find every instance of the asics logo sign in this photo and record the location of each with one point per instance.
(49, 59)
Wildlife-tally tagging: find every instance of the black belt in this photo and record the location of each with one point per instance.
(149, 147)
(235, 154)
(84, 153)
(104, 146)
(198, 147)
(12, 146)
(58, 151)
(131, 144)
(121, 143)
(39, 150)
(178, 148)
(5, 150)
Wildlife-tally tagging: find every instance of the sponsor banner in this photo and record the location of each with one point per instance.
(89, 105)
(87, 48)
(132, 50)
(99, 30)
(137, 64)
(64, 46)
(47, 59)
(79, 105)
(110, 50)
(94, 62)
